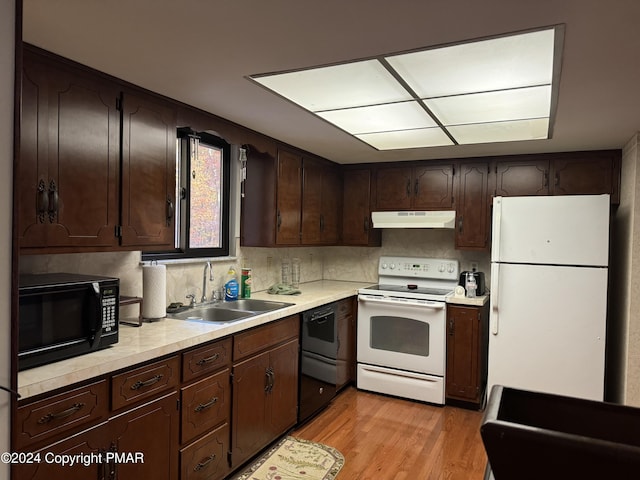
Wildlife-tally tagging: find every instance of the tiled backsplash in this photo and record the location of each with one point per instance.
(317, 263)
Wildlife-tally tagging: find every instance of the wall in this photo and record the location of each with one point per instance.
(624, 322)
(7, 42)
(317, 263)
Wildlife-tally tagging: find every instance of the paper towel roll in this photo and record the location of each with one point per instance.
(154, 292)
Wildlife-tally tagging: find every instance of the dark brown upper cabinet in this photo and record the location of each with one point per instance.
(321, 203)
(357, 228)
(148, 172)
(69, 171)
(418, 187)
(571, 173)
(67, 179)
(290, 199)
(473, 206)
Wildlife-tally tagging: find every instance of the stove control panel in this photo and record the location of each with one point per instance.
(439, 268)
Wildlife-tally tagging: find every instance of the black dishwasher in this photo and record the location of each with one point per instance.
(318, 360)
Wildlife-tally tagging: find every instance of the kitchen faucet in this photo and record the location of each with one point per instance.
(204, 281)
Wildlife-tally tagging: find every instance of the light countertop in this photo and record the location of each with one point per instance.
(474, 302)
(166, 336)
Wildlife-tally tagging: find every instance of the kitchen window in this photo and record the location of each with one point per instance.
(203, 190)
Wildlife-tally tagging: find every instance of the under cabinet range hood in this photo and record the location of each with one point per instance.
(422, 219)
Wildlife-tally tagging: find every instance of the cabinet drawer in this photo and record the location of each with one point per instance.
(206, 359)
(61, 413)
(144, 382)
(206, 459)
(205, 404)
(264, 337)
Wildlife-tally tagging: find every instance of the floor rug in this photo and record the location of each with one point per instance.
(296, 459)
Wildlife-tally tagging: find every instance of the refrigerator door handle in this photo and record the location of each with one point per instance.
(497, 227)
(495, 298)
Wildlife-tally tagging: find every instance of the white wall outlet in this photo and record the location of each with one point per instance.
(474, 266)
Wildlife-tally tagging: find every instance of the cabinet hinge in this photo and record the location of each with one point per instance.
(229, 457)
(178, 404)
(118, 231)
(231, 378)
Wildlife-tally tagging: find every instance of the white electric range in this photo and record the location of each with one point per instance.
(401, 340)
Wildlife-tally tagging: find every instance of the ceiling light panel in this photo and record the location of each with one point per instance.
(338, 86)
(494, 64)
(380, 118)
(536, 129)
(518, 104)
(424, 137)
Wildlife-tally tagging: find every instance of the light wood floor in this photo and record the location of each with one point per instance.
(385, 438)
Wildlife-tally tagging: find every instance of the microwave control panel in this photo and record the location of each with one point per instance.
(109, 307)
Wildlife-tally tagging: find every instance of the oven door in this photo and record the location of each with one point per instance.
(402, 333)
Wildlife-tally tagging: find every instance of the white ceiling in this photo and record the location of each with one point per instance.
(201, 51)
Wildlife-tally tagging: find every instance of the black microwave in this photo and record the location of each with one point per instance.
(62, 315)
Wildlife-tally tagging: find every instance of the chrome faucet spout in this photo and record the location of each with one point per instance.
(204, 280)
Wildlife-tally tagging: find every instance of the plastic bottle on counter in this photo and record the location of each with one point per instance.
(231, 286)
(471, 285)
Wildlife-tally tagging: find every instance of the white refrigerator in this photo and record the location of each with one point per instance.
(549, 261)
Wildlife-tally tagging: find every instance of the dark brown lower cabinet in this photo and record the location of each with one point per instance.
(140, 443)
(265, 399)
(467, 345)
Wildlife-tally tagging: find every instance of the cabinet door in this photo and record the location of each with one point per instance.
(472, 206)
(433, 187)
(148, 172)
(394, 190)
(151, 429)
(463, 344)
(590, 175)
(356, 211)
(282, 395)
(250, 383)
(289, 198)
(312, 194)
(69, 166)
(519, 178)
(331, 206)
(89, 442)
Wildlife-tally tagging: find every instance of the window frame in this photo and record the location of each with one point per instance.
(182, 221)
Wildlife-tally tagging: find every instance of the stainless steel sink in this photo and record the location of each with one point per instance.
(253, 305)
(229, 311)
(212, 314)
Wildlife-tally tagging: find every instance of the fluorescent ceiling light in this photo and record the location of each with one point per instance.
(516, 104)
(380, 118)
(339, 86)
(501, 131)
(424, 137)
(492, 90)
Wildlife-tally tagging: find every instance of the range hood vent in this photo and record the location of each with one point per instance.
(428, 219)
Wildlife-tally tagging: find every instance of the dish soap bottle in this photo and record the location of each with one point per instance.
(231, 286)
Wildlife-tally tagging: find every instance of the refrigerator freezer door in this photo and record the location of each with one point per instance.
(551, 340)
(558, 230)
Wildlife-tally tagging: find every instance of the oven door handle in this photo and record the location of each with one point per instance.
(402, 301)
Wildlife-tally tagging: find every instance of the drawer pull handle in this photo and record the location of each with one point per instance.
(49, 417)
(204, 462)
(139, 384)
(204, 406)
(210, 359)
